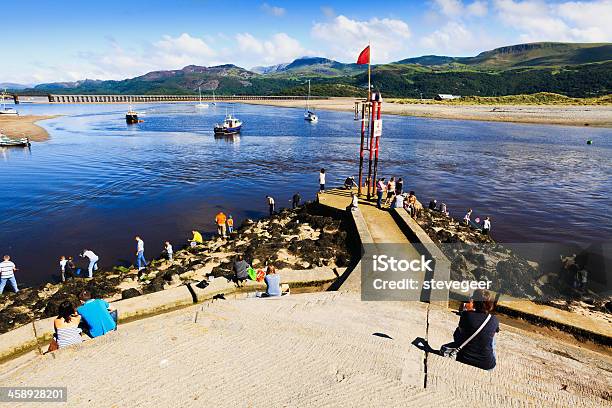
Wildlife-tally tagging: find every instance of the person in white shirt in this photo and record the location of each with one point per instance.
(62, 264)
(322, 180)
(7, 274)
(486, 226)
(468, 216)
(270, 204)
(141, 262)
(399, 201)
(169, 251)
(93, 261)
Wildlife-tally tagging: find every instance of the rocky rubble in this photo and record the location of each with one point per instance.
(475, 256)
(291, 240)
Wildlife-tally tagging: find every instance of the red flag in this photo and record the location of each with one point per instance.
(364, 57)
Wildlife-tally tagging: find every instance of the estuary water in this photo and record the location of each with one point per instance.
(98, 182)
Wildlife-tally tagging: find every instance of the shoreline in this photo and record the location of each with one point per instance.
(292, 240)
(25, 126)
(565, 115)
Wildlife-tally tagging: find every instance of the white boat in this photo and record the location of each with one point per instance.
(309, 115)
(4, 110)
(201, 105)
(230, 125)
(8, 142)
(214, 102)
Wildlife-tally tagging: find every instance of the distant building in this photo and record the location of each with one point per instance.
(446, 97)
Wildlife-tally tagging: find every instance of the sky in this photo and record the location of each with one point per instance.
(67, 40)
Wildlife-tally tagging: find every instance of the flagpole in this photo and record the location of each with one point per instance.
(369, 72)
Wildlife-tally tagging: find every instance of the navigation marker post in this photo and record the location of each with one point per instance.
(370, 133)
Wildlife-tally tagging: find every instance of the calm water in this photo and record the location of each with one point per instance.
(97, 182)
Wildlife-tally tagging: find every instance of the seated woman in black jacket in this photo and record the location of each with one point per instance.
(480, 351)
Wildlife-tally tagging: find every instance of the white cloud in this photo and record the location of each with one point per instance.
(458, 9)
(344, 38)
(455, 38)
(273, 10)
(478, 8)
(277, 49)
(567, 21)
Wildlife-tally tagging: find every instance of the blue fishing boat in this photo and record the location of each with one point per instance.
(230, 125)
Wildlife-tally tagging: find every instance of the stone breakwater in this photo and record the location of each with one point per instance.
(475, 256)
(290, 240)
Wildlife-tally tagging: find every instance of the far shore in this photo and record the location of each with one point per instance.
(569, 115)
(24, 126)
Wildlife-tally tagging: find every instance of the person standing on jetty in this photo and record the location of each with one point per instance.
(295, 201)
(141, 262)
(399, 186)
(322, 180)
(390, 191)
(7, 274)
(62, 264)
(270, 204)
(380, 188)
(93, 261)
(221, 219)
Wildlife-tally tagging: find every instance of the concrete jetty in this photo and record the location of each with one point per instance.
(322, 349)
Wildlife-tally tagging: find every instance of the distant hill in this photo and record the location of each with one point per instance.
(526, 55)
(428, 60)
(541, 54)
(13, 86)
(316, 66)
(575, 70)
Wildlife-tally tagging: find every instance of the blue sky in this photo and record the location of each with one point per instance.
(65, 40)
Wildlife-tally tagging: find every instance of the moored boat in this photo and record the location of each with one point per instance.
(4, 110)
(309, 115)
(8, 142)
(230, 125)
(131, 117)
(201, 105)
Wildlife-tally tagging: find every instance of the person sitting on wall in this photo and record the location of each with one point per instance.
(96, 313)
(354, 202)
(66, 325)
(273, 283)
(480, 350)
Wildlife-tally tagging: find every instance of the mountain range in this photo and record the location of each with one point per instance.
(573, 69)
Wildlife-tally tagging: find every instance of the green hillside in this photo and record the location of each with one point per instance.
(575, 70)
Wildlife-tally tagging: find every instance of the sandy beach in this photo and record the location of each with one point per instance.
(571, 115)
(24, 126)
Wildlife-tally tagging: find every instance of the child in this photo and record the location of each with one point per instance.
(169, 251)
(230, 224)
(62, 264)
